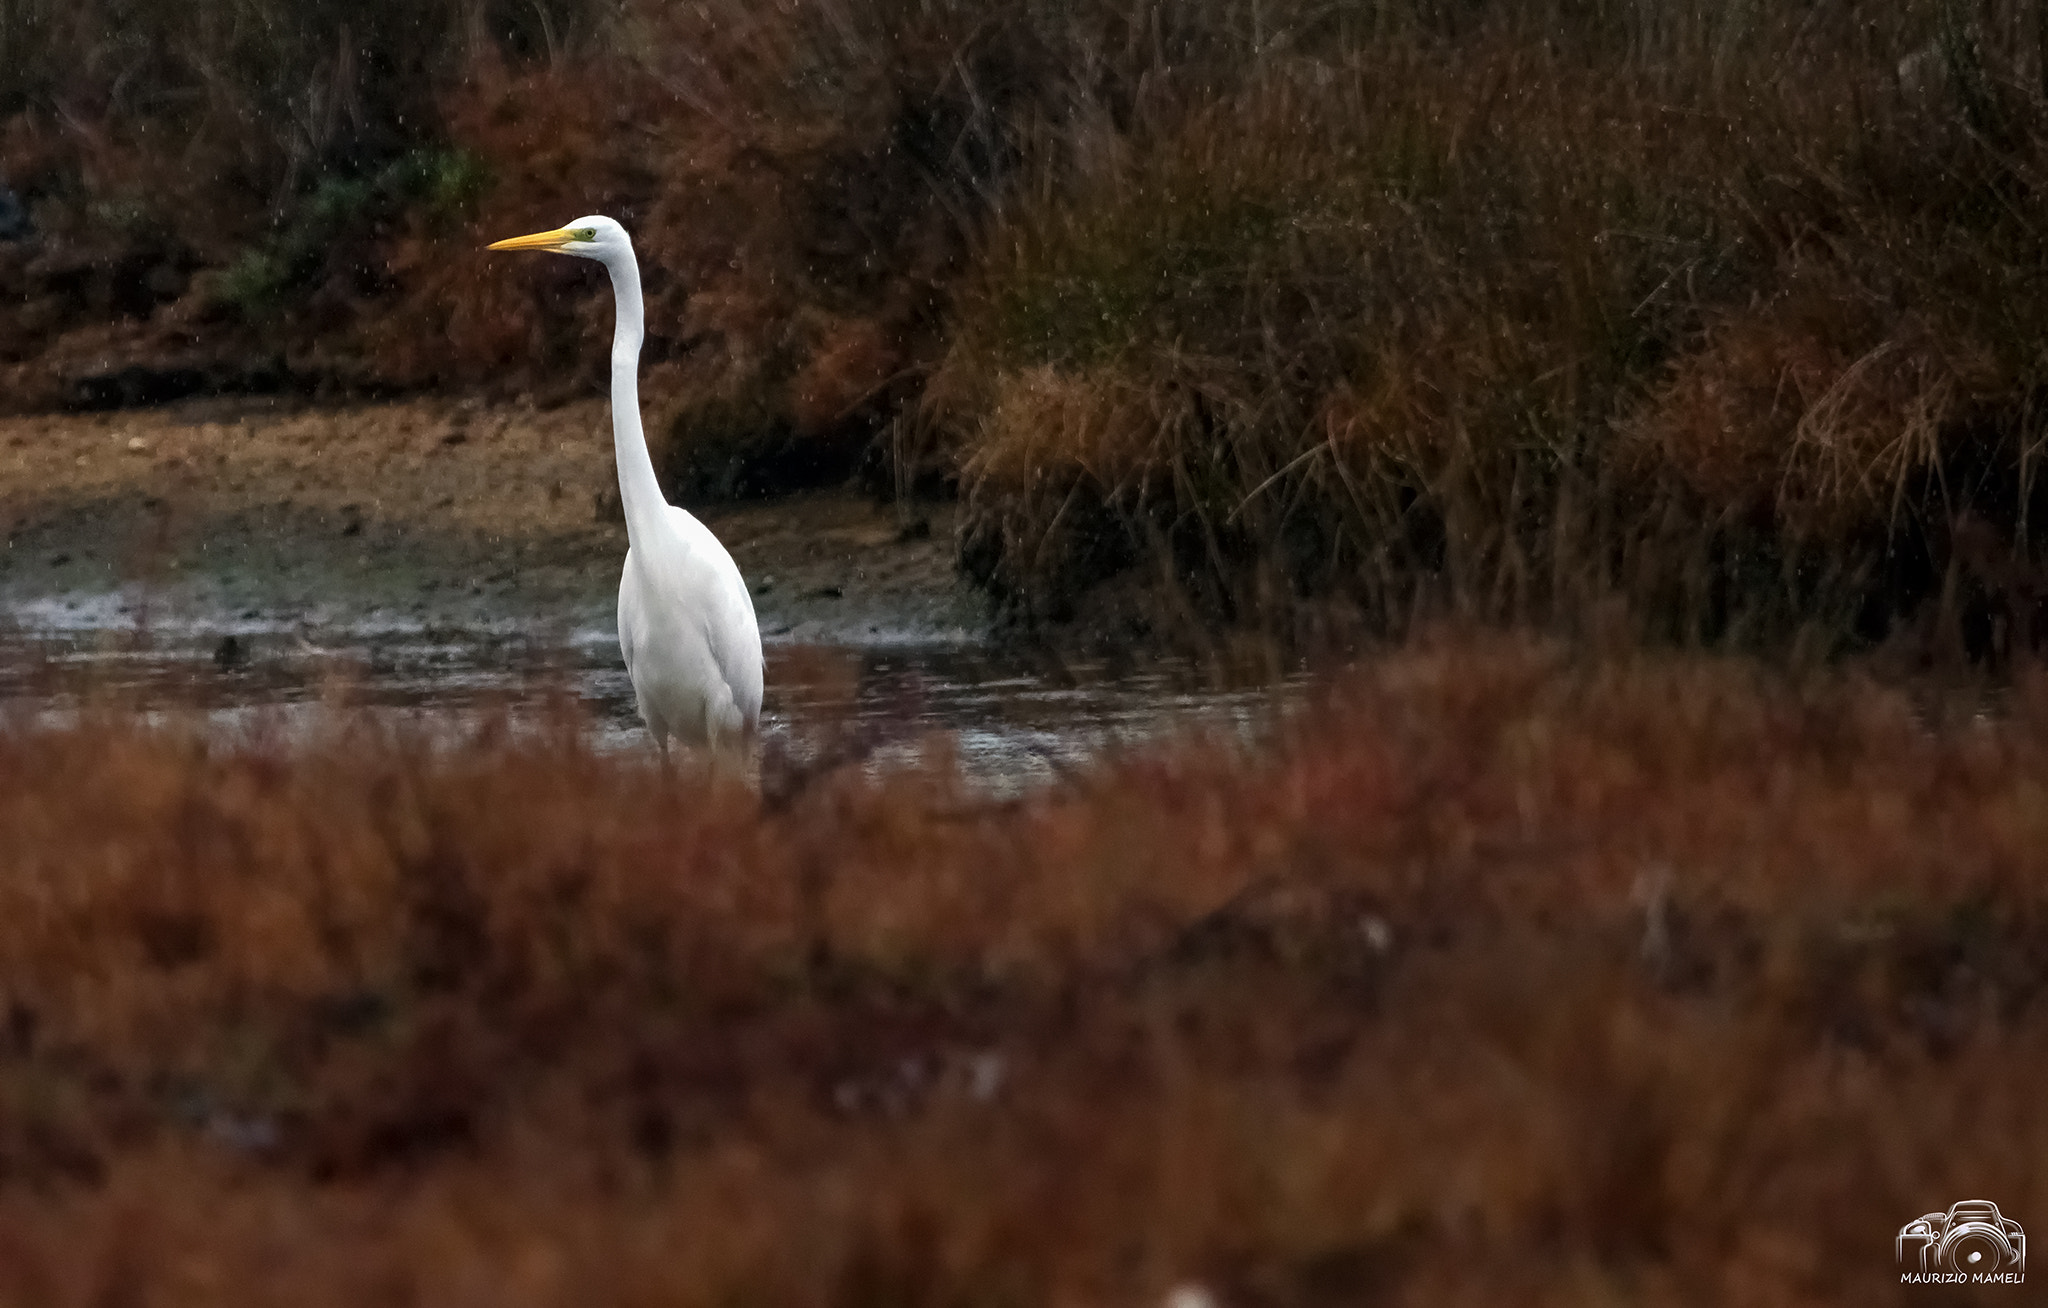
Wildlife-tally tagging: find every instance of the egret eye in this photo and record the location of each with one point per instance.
(585, 233)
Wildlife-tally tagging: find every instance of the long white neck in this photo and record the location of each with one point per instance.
(639, 489)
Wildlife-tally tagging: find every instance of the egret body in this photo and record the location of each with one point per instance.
(686, 622)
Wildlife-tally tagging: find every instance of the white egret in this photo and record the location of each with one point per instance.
(686, 622)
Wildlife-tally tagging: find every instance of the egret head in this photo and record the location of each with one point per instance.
(594, 237)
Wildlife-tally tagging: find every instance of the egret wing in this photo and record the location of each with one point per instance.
(630, 622)
(719, 593)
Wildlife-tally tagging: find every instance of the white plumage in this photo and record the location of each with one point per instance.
(686, 627)
(686, 622)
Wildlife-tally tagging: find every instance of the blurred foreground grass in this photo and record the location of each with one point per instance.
(1494, 977)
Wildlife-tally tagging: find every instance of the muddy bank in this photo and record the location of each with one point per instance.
(435, 564)
(433, 511)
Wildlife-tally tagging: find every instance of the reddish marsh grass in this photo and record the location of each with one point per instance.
(1492, 978)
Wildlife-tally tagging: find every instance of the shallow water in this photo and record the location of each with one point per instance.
(1010, 720)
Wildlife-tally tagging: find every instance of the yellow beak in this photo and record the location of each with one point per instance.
(553, 240)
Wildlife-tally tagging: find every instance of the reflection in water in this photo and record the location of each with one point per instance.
(1012, 720)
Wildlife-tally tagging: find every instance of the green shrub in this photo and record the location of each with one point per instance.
(437, 187)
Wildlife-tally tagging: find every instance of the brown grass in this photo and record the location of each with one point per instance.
(1492, 978)
(1529, 315)
(1726, 318)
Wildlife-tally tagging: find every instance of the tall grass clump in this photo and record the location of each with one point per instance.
(1491, 977)
(1730, 318)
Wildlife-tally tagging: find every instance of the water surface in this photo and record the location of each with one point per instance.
(1011, 719)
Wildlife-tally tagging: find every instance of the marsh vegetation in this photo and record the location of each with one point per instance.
(1290, 317)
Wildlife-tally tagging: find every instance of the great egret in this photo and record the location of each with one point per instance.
(686, 622)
